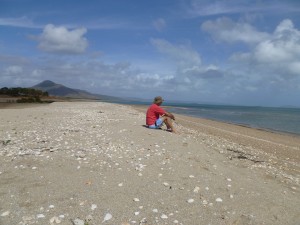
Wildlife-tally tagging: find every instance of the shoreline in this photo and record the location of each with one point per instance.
(143, 108)
(227, 122)
(281, 147)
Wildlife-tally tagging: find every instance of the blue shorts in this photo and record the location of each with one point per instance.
(157, 125)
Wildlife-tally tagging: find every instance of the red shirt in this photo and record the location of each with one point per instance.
(153, 113)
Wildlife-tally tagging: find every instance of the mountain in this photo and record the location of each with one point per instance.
(55, 89)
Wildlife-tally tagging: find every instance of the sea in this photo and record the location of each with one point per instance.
(275, 119)
(285, 120)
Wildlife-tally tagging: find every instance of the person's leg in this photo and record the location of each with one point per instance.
(169, 123)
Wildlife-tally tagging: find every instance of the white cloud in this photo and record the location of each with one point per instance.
(277, 58)
(181, 54)
(159, 24)
(13, 70)
(225, 29)
(18, 22)
(61, 40)
(282, 47)
(272, 67)
(198, 8)
(189, 72)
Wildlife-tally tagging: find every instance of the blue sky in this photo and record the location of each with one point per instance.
(231, 52)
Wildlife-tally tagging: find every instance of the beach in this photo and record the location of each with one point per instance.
(89, 163)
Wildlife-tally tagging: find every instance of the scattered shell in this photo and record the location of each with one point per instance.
(136, 200)
(164, 216)
(155, 210)
(51, 206)
(107, 217)
(219, 200)
(231, 196)
(175, 221)
(190, 200)
(136, 213)
(78, 222)
(5, 213)
(34, 168)
(166, 184)
(191, 176)
(120, 184)
(39, 216)
(55, 219)
(196, 189)
(143, 221)
(93, 207)
(204, 202)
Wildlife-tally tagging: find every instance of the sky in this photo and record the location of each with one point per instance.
(203, 51)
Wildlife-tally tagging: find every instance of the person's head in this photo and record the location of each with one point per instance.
(158, 100)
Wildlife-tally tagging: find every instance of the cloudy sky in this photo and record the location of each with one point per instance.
(219, 51)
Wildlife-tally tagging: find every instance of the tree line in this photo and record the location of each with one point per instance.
(26, 94)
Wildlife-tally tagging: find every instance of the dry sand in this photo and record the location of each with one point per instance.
(64, 163)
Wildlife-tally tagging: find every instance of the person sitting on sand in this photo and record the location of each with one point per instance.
(157, 116)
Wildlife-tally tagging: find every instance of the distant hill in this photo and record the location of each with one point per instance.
(60, 90)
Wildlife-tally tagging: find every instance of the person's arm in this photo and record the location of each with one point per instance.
(170, 115)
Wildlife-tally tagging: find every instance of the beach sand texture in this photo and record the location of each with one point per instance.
(92, 163)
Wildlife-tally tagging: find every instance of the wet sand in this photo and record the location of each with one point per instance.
(96, 162)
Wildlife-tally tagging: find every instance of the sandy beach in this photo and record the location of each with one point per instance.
(91, 163)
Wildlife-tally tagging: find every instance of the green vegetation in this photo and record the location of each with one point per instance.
(17, 92)
(28, 95)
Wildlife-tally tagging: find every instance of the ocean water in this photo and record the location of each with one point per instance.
(277, 119)
(285, 120)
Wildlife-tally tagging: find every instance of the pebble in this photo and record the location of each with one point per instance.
(166, 184)
(51, 206)
(120, 184)
(175, 221)
(5, 213)
(155, 210)
(136, 200)
(136, 213)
